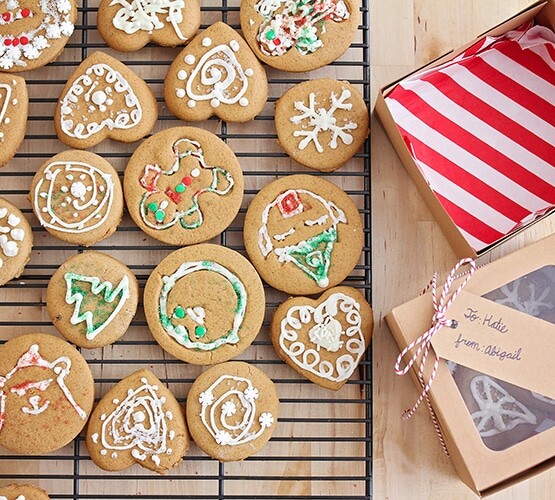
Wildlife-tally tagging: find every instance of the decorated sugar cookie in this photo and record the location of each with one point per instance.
(91, 299)
(299, 35)
(46, 394)
(16, 241)
(34, 33)
(232, 411)
(216, 74)
(324, 339)
(104, 99)
(138, 421)
(77, 197)
(22, 492)
(183, 186)
(204, 304)
(303, 234)
(322, 123)
(14, 105)
(128, 25)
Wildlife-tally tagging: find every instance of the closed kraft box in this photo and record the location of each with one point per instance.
(475, 130)
(494, 391)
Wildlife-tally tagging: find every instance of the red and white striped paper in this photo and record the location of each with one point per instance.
(481, 128)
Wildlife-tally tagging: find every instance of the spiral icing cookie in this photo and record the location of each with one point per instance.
(303, 234)
(46, 394)
(137, 421)
(91, 299)
(16, 241)
(128, 26)
(322, 123)
(204, 304)
(77, 197)
(216, 74)
(104, 99)
(183, 186)
(14, 105)
(299, 35)
(22, 492)
(34, 33)
(232, 411)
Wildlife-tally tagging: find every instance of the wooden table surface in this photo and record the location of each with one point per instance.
(408, 246)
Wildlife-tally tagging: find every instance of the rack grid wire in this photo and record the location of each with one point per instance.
(322, 446)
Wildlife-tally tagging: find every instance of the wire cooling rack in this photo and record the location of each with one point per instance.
(322, 444)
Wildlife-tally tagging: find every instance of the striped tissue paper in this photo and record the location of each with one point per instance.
(481, 129)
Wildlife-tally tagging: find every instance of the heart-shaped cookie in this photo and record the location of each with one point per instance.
(324, 339)
(104, 99)
(216, 74)
(14, 105)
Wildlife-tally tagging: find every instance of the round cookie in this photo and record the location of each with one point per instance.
(104, 99)
(34, 33)
(46, 394)
(232, 411)
(77, 197)
(137, 421)
(183, 185)
(14, 107)
(322, 123)
(204, 304)
(16, 241)
(91, 299)
(296, 35)
(22, 492)
(216, 74)
(128, 26)
(303, 234)
(324, 339)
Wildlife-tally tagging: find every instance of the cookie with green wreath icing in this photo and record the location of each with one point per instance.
(22, 492)
(91, 299)
(204, 304)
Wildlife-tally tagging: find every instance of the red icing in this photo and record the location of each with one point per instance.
(149, 180)
(290, 204)
(172, 195)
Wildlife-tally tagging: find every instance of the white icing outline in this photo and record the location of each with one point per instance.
(5, 105)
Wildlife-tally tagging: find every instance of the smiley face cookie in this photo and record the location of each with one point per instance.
(128, 26)
(204, 304)
(183, 186)
(22, 492)
(46, 394)
(299, 35)
(232, 411)
(137, 421)
(77, 197)
(91, 299)
(14, 105)
(104, 99)
(303, 234)
(216, 74)
(34, 33)
(322, 123)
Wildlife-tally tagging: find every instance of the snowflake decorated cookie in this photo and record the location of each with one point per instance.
(322, 123)
(14, 105)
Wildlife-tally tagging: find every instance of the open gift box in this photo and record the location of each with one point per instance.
(475, 130)
(494, 392)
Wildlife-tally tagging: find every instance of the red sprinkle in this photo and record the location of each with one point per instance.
(7, 42)
(277, 42)
(23, 40)
(15, 42)
(187, 180)
(25, 12)
(6, 16)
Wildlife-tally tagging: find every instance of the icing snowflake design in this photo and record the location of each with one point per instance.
(498, 410)
(206, 398)
(172, 195)
(266, 419)
(10, 235)
(16, 50)
(532, 306)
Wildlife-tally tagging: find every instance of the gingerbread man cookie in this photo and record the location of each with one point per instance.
(14, 105)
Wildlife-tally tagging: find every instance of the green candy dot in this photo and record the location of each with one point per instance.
(179, 188)
(179, 312)
(270, 35)
(200, 331)
(152, 207)
(159, 215)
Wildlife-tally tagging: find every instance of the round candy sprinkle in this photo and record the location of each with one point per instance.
(200, 331)
(152, 207)
(179, 188)
(159, 215)
(179, 312)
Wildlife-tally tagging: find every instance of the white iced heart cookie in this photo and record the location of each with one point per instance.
(14, 104)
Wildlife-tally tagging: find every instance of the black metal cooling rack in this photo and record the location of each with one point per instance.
(322, 447)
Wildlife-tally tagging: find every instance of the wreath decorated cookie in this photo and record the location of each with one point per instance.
(22, 492)
(14, 106)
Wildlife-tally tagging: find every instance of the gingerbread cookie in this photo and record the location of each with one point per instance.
(104, 99)
(183, 185)
(34, 33)
(216, 74)
(14, 105)
(16, 241)
(232, 411)
(299, 35)
(204, 304)
(138, 421)
(46, 394)
(323, 339)
(322, 123)
(303, 234)
(22, 492)
(128, 26)
(91, 299)
(77, 197)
